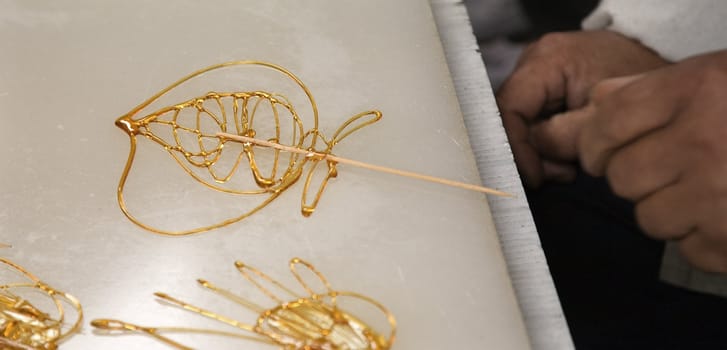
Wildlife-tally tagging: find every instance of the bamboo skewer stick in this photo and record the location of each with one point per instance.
(359, 164)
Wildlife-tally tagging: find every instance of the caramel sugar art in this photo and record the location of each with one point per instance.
(296, 321)
(222, 137)
(188, 131)
(23, 325)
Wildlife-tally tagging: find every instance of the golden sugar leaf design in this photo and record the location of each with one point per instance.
(188, 131)
(295, 321)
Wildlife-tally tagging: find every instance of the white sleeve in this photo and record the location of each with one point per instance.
(674, 28)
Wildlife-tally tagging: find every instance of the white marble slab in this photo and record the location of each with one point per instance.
(69, 68)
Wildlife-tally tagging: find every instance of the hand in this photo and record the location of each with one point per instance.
(661, 140)
(556, 73)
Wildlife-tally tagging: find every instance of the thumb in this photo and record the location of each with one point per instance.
(607, 86)
(557, 137)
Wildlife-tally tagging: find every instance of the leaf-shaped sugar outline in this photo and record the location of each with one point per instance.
(131, 126)
(176, 148)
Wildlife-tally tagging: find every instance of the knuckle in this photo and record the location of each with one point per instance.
(506, 96)
(652, 222)
(586, 151)
(600, 91)
(604, 89)
(707, 139)
(593, 153)
(620, 177)
(712, 76)
(511, 95)
(607, 129)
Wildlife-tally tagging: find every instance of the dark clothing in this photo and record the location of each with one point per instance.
(606, 272)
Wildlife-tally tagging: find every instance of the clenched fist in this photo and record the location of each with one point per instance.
(554, 74)
(661, 140)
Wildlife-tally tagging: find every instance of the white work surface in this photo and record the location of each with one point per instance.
(428, 252)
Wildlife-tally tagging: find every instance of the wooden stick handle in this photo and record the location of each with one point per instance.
(359, 164)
